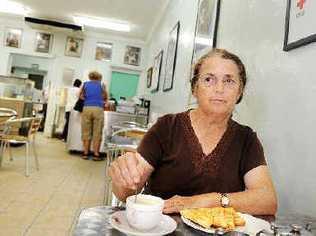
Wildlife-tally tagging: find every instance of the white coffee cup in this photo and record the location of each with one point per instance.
(145, 213)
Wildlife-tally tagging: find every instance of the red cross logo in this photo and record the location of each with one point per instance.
(300, 4)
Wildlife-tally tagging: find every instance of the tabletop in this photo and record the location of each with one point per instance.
(95, 221)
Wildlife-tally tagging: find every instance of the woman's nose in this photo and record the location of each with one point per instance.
(219, 86)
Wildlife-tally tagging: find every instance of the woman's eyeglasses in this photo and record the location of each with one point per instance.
(210, 80)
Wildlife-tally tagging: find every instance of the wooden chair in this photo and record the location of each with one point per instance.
(28, 139)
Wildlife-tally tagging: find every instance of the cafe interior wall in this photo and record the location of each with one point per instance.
(279, 103)
(280, 99)
(176, 99)
(58, 61)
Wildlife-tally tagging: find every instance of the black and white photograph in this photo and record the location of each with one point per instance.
(43, 42)
(73, 47)
(171, 57)
(132, 55)
(13, 38)
(103, 51)
(156, 74)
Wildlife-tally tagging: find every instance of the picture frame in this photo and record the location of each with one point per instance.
(206, 27)
(299, 24)
(132, 55)
(171, 57)
(103, 51)
(13, 37)
(73, 46)
(43, 42)
(156, 72)
(149, 76)
(205, 36)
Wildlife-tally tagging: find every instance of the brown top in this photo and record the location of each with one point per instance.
(181, 168)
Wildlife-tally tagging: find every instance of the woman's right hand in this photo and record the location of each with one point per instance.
(130, 171)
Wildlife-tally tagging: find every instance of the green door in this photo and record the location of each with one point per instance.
(123, 85)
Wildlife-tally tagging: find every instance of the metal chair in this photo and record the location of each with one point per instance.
(28, 139)
(7, 112)
(127, 141)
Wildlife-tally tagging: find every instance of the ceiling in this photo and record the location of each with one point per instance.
(141, 14)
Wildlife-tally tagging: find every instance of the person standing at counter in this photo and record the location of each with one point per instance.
(72, 97)
(92, 118)
(202, 157)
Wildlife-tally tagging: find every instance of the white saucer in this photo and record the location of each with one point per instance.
(166, 226)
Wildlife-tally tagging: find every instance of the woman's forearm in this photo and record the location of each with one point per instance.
(255, 201)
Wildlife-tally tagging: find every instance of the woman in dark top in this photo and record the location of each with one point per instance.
(202, 158)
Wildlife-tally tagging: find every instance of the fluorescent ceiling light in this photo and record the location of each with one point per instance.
(13, 8)
(102, 23)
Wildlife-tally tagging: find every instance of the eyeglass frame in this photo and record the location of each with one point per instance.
(215, 80)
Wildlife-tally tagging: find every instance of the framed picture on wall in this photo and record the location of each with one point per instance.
(205, 34)
(171, 58)
(149, 76)
(132, 56)
(13, 37)
(206, 27)
(73, 47)
(156, 74)
(103, 51)
(300, 25)
(43, 42)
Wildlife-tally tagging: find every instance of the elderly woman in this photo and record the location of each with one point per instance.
(92, 120)
(202, 157)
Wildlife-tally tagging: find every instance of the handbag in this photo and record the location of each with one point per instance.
(79, 103)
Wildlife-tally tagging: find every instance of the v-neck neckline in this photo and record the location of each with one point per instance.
(197, 142)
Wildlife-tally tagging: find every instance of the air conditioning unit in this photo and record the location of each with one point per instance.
(49, 25)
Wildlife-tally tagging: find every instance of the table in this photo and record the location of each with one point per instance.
(95, 222)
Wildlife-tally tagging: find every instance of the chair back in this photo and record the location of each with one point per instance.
(6, 113)
(32, 127)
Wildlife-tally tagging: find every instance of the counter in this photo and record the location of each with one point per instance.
(74, 142)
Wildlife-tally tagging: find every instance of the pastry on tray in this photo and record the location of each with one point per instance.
(216, 217)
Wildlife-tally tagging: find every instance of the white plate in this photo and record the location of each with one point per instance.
(253, 225)
(166, 226)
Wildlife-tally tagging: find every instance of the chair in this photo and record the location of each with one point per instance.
(29, 139)
(121, 141)
(6, 113)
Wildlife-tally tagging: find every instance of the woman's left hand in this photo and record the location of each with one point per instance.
(178, 203)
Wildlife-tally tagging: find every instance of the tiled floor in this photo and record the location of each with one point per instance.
(47, 202)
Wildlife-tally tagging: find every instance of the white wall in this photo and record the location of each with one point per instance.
(280, 97)
(280, 100)
(185, 12)
(58, 61)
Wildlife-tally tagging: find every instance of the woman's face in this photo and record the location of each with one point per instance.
(218, 87)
